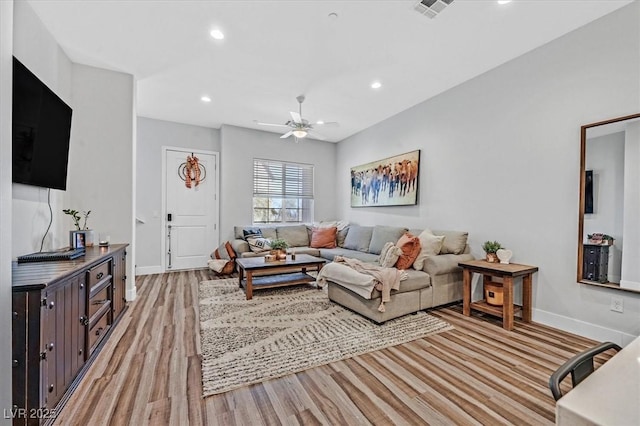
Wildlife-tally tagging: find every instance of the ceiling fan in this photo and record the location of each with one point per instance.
(298, 126)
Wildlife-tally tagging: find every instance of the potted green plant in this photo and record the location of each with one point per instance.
(83, 216)
(490, 248)
(279, 247)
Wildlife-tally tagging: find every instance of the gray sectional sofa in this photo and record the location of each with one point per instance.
(439, 281)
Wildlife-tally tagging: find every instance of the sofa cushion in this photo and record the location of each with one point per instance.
(454, 241)
(430, 245)
(269, 233)
(358, 238)
(389, 255)
(329, 254)
(258, 244)
(416, 280)
(410, 246)
(382, 235)
(323, 237)
(295, 235)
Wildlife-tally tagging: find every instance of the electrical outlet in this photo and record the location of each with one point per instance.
(617, 304)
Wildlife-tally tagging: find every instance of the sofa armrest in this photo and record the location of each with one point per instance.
(444, 263)
(240, 246)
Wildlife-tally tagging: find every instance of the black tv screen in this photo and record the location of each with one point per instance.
(41, 131)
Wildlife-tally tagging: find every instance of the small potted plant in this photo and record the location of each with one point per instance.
(279, 247)
(490, 248)
(77, 216)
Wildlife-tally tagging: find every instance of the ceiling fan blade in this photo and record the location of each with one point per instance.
(328, 124)
(269, 124)
(286, 135)
(296, 117)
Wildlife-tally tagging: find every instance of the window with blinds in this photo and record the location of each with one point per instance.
(282, 192)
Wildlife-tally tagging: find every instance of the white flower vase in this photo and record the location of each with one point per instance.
(89, 237)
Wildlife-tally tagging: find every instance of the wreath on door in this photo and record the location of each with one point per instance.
(192, 172)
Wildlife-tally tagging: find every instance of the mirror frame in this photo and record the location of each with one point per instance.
(583, 152)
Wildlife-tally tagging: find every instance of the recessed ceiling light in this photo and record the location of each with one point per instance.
(504, 1)
(205, 99)
(376, 85)
(319, 122)
(217, 34)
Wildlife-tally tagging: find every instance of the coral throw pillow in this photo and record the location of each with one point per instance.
(324, 237)
(410, 246)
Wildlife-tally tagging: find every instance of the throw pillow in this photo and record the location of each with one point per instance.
(259, 244)
(323, 237)
(454, 242)
(225, 251)
(251, 232)
(410, 246)
(430, 245)
(389, 255)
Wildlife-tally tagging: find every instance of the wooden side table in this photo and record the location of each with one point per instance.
(507, 272)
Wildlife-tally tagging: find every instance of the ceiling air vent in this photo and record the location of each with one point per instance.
(431, 8)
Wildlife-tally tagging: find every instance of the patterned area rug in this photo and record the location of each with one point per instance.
(287, 330)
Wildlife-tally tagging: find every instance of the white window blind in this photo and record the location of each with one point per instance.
(282, 192)
(285, 180)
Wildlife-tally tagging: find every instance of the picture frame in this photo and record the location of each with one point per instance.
(391, 181)
(77, 239)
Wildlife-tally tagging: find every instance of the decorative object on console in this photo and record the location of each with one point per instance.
(77, 239)
(504, 255)
(391, 181)
(104, 240)
(490, 248)
(77, 216)
(600, 238)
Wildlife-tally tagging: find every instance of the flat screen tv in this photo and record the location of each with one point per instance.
(41, 130)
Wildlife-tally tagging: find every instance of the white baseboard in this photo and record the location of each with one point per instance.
(148, 270)
(631, 285)
(582, 328)
(131, 294)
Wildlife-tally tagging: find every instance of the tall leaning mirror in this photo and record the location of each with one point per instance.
(609, 214)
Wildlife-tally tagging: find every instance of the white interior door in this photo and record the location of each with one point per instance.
(191, 215)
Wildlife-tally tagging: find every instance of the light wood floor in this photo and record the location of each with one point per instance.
(149, 373)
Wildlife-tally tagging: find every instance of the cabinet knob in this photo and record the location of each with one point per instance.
(50, 346)
(99, 331)
(80, 352)
(81, 285)
(51, 305)
(15, 315)
(50, 388)
(84, 320)
(100, 275)
(15, 363)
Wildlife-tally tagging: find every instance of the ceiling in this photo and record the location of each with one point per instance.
(276, 50)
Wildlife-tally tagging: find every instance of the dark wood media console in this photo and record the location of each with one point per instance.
(63, 313)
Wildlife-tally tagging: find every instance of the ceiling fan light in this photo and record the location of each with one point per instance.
(299, 133)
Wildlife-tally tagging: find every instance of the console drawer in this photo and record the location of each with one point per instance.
(99, 272)
(98, 300)
(98, 331)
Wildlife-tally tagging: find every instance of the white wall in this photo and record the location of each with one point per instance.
(500, 159)
(152, 135)
(239, 146)
(34, 46)
(6, 65)
(631, 252)
(101, 160)
(605, 157)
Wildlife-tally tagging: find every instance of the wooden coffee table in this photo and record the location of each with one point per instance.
(281, 273)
